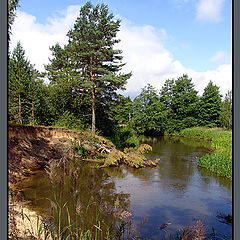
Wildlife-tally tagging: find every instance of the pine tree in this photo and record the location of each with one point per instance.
(89, 63)
(210, 105)
(12, 6)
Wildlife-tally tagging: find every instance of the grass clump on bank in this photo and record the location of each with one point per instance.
(220, 160)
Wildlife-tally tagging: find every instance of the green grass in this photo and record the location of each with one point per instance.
(220, 159)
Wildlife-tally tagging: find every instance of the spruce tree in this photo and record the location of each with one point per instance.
(20, 76)
(181, 103)
(184, 98)
(166, 93)
(149, 113)
(210, 105)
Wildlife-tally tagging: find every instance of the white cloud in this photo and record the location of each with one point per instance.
(151, 63)
(142, 47)
(209, 10)
(36, 38)
(220, 57)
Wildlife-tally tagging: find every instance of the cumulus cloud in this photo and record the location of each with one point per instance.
(209, 10)
(143, 51)
(151, 63)
(36, 38)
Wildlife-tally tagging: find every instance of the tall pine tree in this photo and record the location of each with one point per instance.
(89, 62)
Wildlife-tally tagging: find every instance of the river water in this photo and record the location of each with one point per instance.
(176, 192)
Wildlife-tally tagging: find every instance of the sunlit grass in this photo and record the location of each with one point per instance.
(220, 159)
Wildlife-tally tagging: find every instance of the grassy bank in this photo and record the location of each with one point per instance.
(220, 159)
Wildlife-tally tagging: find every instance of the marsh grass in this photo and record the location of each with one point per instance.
(220, 158)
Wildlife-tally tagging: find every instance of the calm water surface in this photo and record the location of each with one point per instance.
(176, 191)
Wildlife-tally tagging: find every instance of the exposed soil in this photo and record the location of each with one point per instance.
(30, 148)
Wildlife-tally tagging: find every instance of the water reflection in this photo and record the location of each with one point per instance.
(86, 190)
(176, 191)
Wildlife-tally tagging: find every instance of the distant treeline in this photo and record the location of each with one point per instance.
(83, 78)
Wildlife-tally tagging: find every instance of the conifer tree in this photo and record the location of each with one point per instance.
(149, 113)
(166, 93)
(20, 77)
(184, 98)
(89, 63)
(181, 103)
(226, 111)
(210, 105)
(12, 6)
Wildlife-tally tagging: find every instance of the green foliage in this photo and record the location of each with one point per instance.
(122, 110)
(27, 93)
(148, 112)
(84, 78)
(88, 66)
(125, 137)
(181, 103)
(20, 81)
(226, 112)
(220, 160)
(210, 106)
(68, 120)
(12, 6)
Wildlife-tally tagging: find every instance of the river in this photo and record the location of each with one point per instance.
(176, 192)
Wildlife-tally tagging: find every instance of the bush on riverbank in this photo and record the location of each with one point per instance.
(125, 136)
(220, 160)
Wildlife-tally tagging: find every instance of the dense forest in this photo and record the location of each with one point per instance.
(79, 88)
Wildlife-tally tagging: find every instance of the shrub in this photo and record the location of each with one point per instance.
(125, 137)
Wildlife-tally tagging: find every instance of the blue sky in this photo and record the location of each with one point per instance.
(166, 37)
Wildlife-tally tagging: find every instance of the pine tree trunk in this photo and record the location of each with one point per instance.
(19, 101)
(19, 109)
(93, 112)
(93, 100)
(32, 109)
